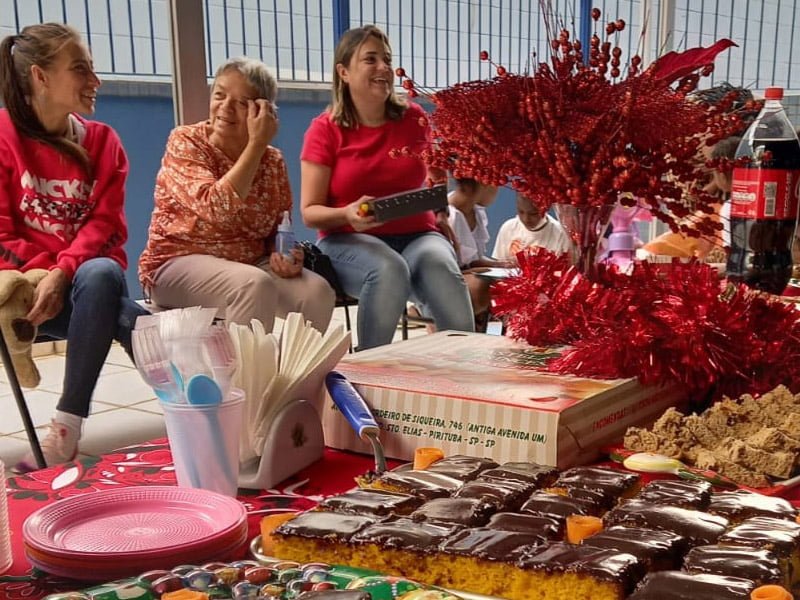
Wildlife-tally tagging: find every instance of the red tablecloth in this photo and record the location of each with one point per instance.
(150, 464)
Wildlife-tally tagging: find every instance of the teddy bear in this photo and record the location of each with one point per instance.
(16, 299)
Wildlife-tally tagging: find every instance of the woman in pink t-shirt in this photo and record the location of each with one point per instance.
(347, 158)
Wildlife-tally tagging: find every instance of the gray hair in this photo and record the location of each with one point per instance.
(255, 72)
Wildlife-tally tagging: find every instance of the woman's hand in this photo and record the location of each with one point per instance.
(357, 218)
(48, 298)
(287, 266)
(262, 121)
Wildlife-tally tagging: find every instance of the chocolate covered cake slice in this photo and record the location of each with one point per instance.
(538, 475)
(371, 502)
(780, 536)
(401, 546)
(659, 550)
(470, 512)
(759, 566)
(561, 570)
(423, 483)
(559, 507)
(685, 494)
(609, 482)
(482, 560)
(547, 527)
(463, 468)
(318, 536)
(697, 527)
(678, 585)
(738, 505)
(505, 494)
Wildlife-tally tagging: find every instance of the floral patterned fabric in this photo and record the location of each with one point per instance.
(197, 211)
(149, 464)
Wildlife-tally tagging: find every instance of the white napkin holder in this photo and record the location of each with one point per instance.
(294, 439)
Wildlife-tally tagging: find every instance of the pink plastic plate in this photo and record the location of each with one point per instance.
(133, 521)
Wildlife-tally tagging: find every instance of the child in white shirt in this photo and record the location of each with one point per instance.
(530, 228)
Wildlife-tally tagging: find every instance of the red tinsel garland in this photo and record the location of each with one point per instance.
(658, 325)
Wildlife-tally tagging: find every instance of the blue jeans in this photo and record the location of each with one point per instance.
(384, 272)
(97, 311)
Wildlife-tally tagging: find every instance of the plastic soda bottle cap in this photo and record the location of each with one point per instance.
(773, 93)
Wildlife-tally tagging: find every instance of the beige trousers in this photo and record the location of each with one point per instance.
(242, 292)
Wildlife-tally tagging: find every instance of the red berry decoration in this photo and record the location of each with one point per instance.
(501, 71)
(620, 24)
(400, 72)
(408, 84)
(596, 14)
(484, 55)
(611, 28)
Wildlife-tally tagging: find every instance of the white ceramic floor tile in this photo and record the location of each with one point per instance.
(123, 388)
(113, 429)
(151, 406)
(12, 450)
(118, 356)
(51, 371)
(41, 405)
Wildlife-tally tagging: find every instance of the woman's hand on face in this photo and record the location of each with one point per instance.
(287, 266)
(48, 299)
(357, 217)
(262, 121)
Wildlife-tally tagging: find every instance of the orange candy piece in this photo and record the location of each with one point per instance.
(425, 457)
(770, 592)
(184, 594)
(580, 527)
(269, 524)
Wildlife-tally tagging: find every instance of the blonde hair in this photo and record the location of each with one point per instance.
(343, 111)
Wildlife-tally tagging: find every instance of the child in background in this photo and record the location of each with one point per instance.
(530, 228)
(469, 222)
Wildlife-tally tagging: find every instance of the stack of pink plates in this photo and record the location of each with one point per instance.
(112, 534)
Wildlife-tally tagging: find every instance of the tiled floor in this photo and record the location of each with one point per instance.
(124, 409)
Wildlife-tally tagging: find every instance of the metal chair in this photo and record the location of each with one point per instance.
(22, 405)
(406, 318)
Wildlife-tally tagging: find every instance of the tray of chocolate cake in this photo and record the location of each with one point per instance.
(524, 531)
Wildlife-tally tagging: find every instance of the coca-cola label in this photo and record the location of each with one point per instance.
(764, 193)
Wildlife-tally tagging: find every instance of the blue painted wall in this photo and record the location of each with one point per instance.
(144, 122)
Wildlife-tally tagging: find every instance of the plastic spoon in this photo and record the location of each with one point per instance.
(202, 389)
(649, 462)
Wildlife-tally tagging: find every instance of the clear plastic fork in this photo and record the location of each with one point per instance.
(154, 365)
(222, 356)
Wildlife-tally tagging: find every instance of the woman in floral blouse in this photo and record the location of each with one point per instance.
(219, 197)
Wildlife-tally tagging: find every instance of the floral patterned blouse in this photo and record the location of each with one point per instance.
(197, 211)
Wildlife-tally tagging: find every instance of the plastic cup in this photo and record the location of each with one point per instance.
(5, 534)
(204, 440)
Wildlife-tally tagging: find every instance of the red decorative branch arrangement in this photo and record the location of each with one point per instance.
(584, 127)
(679, 324)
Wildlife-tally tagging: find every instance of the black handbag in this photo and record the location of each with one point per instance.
(316, 260)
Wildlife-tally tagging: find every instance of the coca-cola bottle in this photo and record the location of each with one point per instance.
(764, 197)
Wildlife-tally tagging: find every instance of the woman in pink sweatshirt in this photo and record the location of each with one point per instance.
(62, 188)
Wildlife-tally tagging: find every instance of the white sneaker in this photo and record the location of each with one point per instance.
(60, 445)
